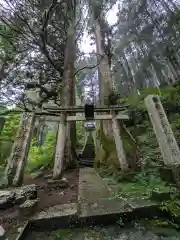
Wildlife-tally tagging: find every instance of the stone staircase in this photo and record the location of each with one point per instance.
(86, 158)
(86, 162)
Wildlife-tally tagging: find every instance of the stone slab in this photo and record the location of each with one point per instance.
(60, 183)
(144, 208)
(141, 203)
(57, 211)
(105, 207)
(49, 176)
(61, 216)
(94, 200)
(91, 186)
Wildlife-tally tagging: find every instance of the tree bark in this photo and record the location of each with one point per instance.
(67, 95)
(105, 81)
(68, 92)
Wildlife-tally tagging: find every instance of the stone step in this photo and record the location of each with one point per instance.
(86, 162)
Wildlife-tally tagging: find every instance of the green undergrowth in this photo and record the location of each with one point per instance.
(7, 137)
(136, 185)
(144, 145)
(143, 229)
(41, 156)
(80, 133)
(173, 206)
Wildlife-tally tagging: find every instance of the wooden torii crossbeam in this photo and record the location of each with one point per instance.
(119, 116)
(80, 109)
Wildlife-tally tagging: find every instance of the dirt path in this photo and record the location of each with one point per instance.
(49, 197)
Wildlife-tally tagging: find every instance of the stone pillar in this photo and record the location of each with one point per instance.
(18, 157)
(24, 144)
(119, 144)
(60, 148)
(165, 137)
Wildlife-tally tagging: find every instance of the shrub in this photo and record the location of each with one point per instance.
(41, 156)
(7, 136)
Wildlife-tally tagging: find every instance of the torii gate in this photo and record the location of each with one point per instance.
(88, 114)
(16, 164)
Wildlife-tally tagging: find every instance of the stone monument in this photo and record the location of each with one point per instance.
(165, 137)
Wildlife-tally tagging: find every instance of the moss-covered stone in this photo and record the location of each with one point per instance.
(160, 195)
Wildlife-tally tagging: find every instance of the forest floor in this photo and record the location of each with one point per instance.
(48, 197)
(91, 187)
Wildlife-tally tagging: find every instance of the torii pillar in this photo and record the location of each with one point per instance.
(14, 171)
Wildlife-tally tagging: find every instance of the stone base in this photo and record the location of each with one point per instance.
(170, 174)
(28, 208)
(176, 173)
(37, 174)
(166, 174)
(144, 208)
(49, 176)
(61, 183)
(55, 217)
(158, 195)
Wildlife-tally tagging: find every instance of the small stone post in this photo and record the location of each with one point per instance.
(119, 144)
(165, 137)
(60, 148)
(19, 150)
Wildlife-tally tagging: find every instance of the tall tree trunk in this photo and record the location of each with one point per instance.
(105, 81)
(67, 99)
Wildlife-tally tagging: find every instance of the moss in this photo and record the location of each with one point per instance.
(64, 234)
(107, 155)
(162, 223)
(108, 149)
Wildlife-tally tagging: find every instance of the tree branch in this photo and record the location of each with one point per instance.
(89, 67)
